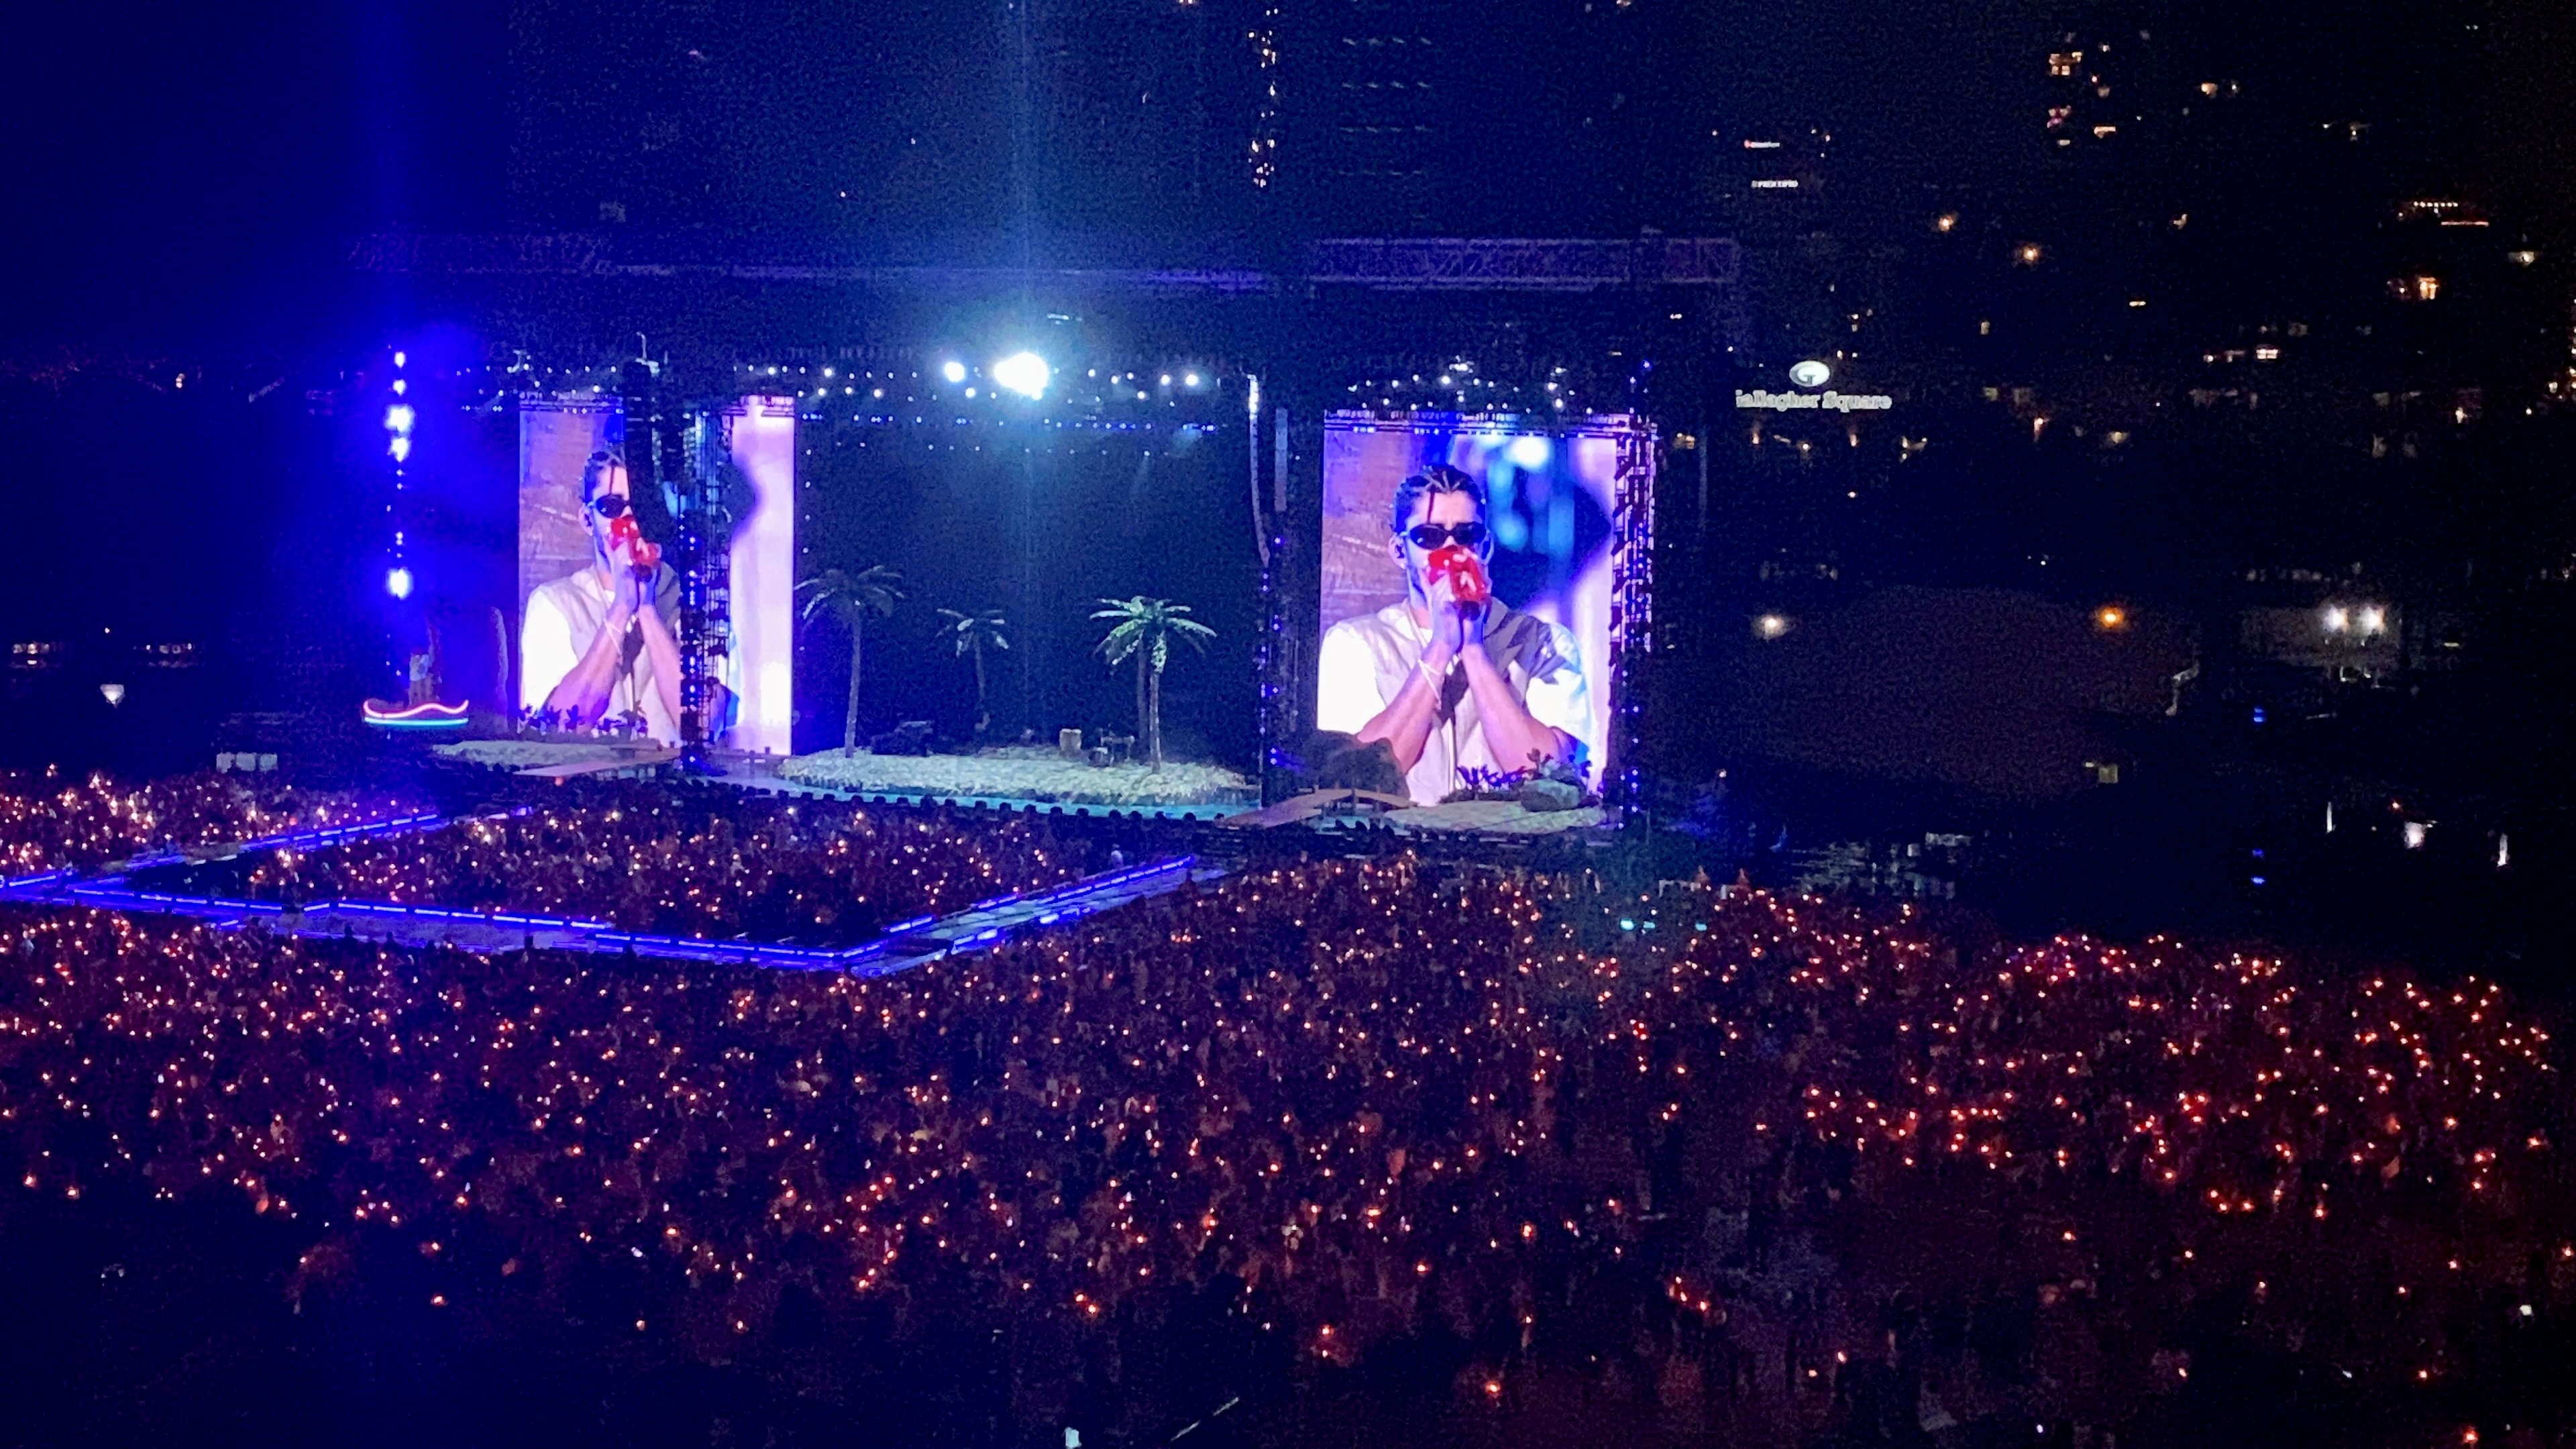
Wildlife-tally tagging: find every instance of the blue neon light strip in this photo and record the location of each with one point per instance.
(319, 836)
(1068, 902)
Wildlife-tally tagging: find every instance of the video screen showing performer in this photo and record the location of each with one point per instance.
(599, 646)
(1462, 687)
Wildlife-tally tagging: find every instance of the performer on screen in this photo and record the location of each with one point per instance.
(1452, 679)
(598, 646)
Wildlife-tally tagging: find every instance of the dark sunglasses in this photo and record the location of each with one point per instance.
(1433, 535)
(608, 505)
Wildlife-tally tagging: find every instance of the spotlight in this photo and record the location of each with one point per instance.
(953, 371)
(1024, 373)
(1528, 452)
(398, 582)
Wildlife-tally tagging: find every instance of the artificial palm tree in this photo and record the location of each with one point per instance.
(1144, 632)
(973, 634)
(850, 598)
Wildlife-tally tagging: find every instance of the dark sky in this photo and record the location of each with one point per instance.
(194, 166)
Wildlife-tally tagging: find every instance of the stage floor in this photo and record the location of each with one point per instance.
(1005, 778)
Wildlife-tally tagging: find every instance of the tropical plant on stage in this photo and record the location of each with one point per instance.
(1143, 631)
(973, 634)
(850, 599)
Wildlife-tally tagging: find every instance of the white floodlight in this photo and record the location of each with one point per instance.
(953, 370)
(1024, 373)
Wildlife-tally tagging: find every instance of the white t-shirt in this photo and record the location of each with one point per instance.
(560, 621)
(1365, 662)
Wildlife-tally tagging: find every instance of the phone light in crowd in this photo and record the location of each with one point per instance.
(1024, 373)
(953, 370)
(1772, 626)
(398, 582)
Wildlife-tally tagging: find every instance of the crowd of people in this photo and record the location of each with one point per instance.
(48, 822)
(710, 863)
(1709, 1159)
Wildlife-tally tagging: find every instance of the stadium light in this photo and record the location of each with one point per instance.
(1024, 373)
(398, 582)
(953, 370)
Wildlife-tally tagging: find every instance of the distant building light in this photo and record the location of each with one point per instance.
(2110, 618)
(1946, 221)
(1772, 626)
(2522, 256)
(2104, 131)
(2267, 353)
(2028, 253)
(1753, 145)
(1775, 183)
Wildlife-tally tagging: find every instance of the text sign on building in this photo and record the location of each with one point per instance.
(1826, 401)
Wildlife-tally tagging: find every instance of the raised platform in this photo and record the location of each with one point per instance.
(1012, 777)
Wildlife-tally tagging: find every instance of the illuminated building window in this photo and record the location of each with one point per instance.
(2064, 62)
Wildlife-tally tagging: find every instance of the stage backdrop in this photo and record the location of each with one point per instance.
(1552, 493)
(558, 435)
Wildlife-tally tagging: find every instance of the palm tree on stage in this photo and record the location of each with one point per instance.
(973, 634)
(1144, 631)
(849, 599)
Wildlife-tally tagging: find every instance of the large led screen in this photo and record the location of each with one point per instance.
(1536, 506)
(596, 643)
